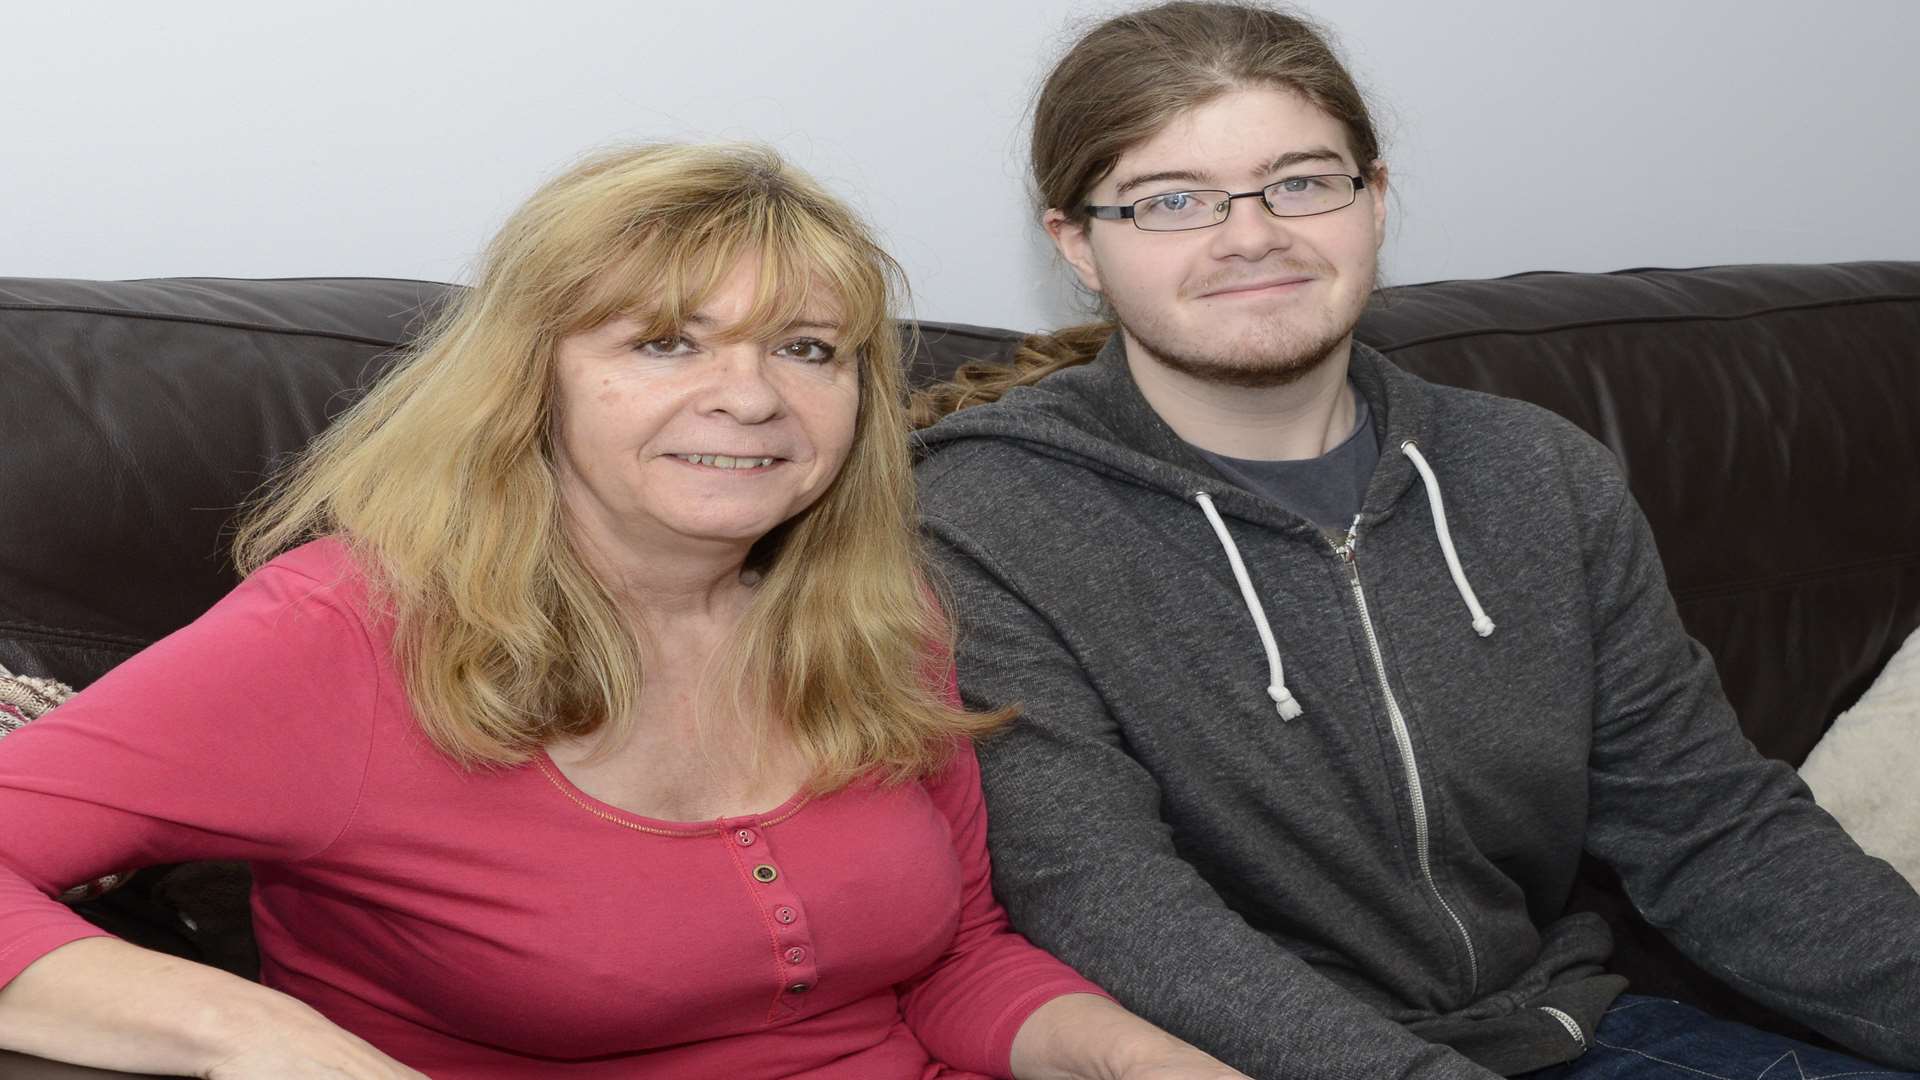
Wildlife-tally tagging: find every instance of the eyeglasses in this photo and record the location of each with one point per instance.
(1178, 211)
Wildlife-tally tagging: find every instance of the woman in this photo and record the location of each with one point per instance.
(583, 713)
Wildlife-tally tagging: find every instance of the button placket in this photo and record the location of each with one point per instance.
(767, 882)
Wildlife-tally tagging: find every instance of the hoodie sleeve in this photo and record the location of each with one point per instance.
(1721, 848)
(1087, 869)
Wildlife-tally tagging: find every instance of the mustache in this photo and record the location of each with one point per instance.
(1231, 279)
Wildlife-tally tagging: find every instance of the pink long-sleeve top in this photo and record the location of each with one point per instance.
(501, 922)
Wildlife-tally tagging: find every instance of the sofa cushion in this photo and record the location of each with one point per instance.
(1863, 771)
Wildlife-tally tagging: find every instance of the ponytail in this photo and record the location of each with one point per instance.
(1036, 357)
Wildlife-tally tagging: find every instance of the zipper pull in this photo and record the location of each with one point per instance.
(1345, 549)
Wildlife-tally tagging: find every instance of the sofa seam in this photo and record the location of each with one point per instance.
(1825, 573)
(983, 334)
(1645, 320)
(201, 320)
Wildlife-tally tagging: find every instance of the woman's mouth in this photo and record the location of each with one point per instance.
(725, 461)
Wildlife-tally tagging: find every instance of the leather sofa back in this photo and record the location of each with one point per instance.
(1768, 418)
(137, 416)
(1764, 415)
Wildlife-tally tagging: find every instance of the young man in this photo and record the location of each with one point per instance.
(1286, 788)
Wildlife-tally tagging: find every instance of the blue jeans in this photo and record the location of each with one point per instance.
(1643, 1038)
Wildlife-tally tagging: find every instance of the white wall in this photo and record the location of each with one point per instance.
(241, 138)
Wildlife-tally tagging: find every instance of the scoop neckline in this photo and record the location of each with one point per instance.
(574, 793)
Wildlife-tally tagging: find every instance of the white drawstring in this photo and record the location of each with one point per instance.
(1277, 690)
(1481, 624)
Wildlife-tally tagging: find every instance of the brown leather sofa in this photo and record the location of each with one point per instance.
(1765, 416)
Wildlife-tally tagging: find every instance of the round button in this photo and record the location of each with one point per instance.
(785, 915)
(796, 954)
(745, 837)
(764, 873)
(798, 988)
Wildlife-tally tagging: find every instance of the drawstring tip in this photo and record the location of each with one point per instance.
(1483, 626)
(1282, 700)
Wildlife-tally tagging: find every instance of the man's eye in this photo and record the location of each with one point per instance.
(809, 350)
(1301, 184)
(1175, 202)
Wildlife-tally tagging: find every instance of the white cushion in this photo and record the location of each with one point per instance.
(1864, 770)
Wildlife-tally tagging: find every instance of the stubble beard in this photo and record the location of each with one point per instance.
(1282, 350)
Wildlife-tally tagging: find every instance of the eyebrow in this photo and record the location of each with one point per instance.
(1300, 157)
(1188, 176)
(805, 322)
(1183, 175)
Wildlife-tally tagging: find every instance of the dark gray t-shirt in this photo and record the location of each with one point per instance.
(1326, 490)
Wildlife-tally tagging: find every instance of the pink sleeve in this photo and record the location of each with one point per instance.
(243, 736)
(968, 1007)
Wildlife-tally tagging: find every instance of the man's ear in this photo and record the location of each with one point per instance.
(1377, 183)
(1075, 246)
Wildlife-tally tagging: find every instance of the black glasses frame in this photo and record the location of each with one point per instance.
(1127, 212)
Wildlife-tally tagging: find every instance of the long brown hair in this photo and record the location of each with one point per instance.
(442, 482)
(1115, 88)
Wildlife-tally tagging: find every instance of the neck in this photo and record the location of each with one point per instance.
(669, 587)
(1301, 419)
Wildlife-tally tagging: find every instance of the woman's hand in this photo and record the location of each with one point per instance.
(104, 1003)
(300, 1044)
(1084, 1037)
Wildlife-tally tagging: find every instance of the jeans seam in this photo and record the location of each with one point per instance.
(1661, 1060)
(1794, 1054)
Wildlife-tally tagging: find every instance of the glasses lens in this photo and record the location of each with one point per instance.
(1178, 210)
(1301, 196)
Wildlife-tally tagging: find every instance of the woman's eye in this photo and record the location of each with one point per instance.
(1176, 202)
(809, 350)
(671, 345)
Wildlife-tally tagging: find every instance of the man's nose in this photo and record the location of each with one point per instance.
(1251, 231)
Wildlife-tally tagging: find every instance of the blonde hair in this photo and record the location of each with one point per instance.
(442, 483)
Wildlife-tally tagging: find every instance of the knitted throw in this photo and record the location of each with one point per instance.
(24, 698)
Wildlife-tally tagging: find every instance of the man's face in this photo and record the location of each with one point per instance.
(1256, 300)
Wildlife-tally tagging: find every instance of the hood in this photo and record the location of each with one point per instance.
(1095, 416)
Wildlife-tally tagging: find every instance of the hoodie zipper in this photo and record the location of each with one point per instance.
(1404, 740)
(1568, 1022)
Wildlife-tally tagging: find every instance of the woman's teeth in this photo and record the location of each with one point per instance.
(722, 461)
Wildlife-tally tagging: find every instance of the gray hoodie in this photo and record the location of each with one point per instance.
(1303, 813)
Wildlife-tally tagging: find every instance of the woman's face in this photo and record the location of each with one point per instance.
(697, 445)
